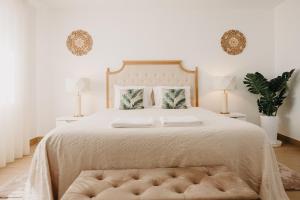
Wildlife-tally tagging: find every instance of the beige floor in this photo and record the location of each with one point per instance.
(287, 154)
(13, 170)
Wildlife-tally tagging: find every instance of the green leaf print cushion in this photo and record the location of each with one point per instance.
(131, 99)
(173, 99)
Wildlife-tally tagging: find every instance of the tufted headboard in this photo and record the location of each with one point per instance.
(151, 73)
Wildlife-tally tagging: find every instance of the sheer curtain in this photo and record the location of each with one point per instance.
(16, 80)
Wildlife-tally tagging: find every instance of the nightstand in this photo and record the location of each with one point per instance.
(63, 121)
(239, 116)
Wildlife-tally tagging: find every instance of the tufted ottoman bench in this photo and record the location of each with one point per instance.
(195, 183)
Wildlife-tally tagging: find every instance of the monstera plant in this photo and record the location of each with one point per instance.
(271, 94)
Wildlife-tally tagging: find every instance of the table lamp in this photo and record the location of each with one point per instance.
(224, 83)
(76, 87)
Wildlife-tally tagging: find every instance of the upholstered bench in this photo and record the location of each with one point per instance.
(196, 183)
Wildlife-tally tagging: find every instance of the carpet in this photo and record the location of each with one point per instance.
(15, 188)
(290, 178)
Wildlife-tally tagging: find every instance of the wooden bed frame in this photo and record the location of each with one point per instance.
(152, 73)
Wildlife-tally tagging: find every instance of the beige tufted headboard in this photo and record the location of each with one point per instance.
(152, 73)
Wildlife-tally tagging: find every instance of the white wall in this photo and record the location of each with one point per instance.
(140, 29)
(287, 42)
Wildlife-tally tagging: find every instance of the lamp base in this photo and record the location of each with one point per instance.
(78, 115)
(224, 113)
(224, 109)
(78, 112)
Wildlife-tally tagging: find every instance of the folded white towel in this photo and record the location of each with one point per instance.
(180, 121)
(133, 123)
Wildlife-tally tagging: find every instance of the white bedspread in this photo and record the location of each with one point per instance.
(92, 144)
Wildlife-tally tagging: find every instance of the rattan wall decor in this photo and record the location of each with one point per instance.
(79, 42)
(233, 42)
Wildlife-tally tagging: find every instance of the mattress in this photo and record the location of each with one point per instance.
(91, 144)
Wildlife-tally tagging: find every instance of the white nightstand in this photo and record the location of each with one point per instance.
(239, 116)
(62, 121)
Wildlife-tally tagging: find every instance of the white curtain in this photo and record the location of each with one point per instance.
(16, 80)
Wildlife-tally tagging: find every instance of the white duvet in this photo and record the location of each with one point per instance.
(92, 144)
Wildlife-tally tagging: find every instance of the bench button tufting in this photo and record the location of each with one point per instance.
(155, 183)
(179, 191)
(165, 179)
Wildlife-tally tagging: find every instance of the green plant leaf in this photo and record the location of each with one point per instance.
(280, 82)
(271, 93)
(256, 83)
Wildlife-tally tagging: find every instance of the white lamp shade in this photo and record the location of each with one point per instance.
(224, 82)
(75, 86)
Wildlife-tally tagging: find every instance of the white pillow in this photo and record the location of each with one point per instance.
(158, 94)
(147, 100)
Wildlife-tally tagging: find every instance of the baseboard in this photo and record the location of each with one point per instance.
(35, 140)
(287, 139)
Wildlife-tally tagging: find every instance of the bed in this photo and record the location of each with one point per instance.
(91, 143)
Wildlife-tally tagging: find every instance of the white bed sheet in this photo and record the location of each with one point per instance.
(92, 144)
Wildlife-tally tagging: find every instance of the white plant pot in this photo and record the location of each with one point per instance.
(270, 125)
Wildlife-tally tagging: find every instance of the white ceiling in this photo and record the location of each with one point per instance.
(245, 4)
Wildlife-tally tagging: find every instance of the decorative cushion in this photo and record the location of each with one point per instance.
(147, 96)
(195, 183)
(158, 94)
(173, 99)
(132, 99)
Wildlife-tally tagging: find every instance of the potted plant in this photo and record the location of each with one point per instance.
(271, 94)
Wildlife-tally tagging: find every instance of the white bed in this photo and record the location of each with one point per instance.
(92, 144)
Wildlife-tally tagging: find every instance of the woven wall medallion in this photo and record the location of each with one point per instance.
(233, 42)
(79, 42)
